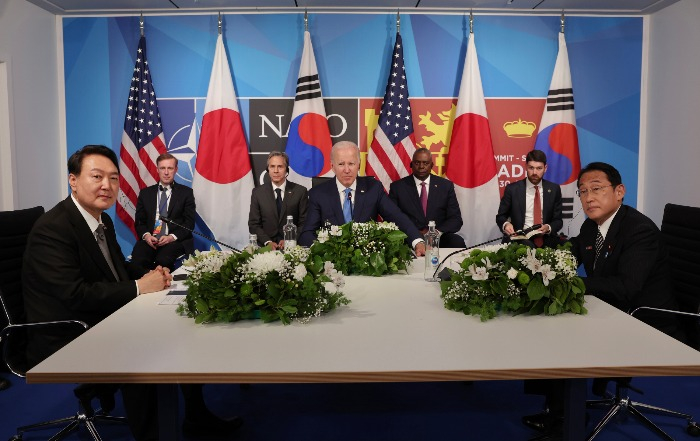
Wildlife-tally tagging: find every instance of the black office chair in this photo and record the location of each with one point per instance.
(680, 229)
(14, 230)
(318, 180)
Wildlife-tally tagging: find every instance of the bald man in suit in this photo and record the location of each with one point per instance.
(441, 203)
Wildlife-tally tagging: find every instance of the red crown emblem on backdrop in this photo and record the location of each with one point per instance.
(519, 128)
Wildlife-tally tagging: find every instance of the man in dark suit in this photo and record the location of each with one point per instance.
(363, 199)
(518, 209)
(162, 243)
(424, 197)
(631, 268)
(626, 265)
(74, 269)
(66, 276)
(272, 202)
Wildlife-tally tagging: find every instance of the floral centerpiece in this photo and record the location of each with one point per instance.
(271, 285)
(368, 249)
(515, 278)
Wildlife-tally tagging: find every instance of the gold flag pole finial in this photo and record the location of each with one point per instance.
(141, 24)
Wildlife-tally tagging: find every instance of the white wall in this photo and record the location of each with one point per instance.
(28, 42)
(672, 167)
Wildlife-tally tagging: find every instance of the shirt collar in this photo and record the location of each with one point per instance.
(418, 181)
(341, 187)
(91, 221)
(605, 226)
(281, 187)
(167, 187)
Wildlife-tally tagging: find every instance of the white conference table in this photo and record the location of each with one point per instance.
(395, 330)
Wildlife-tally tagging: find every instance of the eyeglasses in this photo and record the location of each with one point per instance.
(594, 191)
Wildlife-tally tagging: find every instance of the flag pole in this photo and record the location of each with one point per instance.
(306, 20)
(471, 21)
(398, 22)
(219, 22)
(141, 24)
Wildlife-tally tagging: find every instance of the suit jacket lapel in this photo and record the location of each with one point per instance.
(174, 198)
(433, 194)
(359, 199)
(117, 258)
(335, 203)
(415, 196)
(288, 193)
(86, 238)
(547, 201)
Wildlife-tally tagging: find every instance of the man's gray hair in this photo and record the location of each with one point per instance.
(345, 145)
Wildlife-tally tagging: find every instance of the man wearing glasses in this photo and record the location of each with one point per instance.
(621, 249)
(626, 265)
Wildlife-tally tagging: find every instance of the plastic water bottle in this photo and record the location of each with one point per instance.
(432, 252)
(252, 243)
(290, 233)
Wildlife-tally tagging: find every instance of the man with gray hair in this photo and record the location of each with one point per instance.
(351, 198)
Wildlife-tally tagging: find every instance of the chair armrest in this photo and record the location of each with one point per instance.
(7, 331)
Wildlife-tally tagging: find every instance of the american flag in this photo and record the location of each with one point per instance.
(394, 143)
(142, 139)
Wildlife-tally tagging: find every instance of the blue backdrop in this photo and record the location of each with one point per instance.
(516, 56)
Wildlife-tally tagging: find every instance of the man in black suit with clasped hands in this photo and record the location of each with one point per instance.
(272, 202)
(74, 269)
(423, 197)
(66, 274)
(162, 243)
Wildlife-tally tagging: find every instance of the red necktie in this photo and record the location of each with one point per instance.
(537, 214)
(424, 198)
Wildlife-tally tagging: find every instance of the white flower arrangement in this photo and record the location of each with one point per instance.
(265, 284)
(515, 278)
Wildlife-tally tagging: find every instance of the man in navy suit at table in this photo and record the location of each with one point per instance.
(351, 198)
(424, 197)
(532, 201)
(162, 243)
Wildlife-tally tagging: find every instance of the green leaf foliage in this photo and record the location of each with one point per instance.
(368, 249)
(264, 284)
(515, 279)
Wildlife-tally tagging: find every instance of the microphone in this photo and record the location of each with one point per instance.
(444, 274)
(568, 227)
(211, 239)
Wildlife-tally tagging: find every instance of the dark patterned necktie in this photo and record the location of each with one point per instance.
(279, 200)
(102, 242)
(598, 247)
